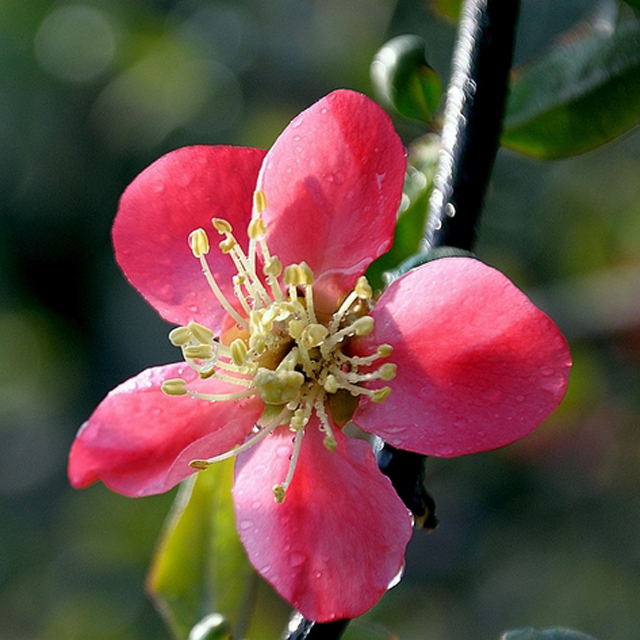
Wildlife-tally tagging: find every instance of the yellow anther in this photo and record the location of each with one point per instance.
(330, 443)
(258, 343)
(313, 335)
(207, 374)
(295, 328)
(260, 200)
(363, 288)
(292, 275)
(331, 384)
(200, 465)
(239, 352)
(175, 387)
(384, 350)
(200, 333)
(278, 387)
(221, 225)
(305, 273)
(227, 245)
(179, 336)
(379, 395)
(363, 326)
(257, 229)
(278, 493)
(273, 267)
(388, 371)
(199, 243)
(198, 352)
(297, 420)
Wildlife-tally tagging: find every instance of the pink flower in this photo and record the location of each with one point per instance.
(283, 346)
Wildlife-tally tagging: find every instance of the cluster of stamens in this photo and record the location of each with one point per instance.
(281, 352)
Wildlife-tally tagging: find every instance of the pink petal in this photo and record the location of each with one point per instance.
(479, 366)
(332, 548)
(178, 193)
(333, 182)
(140, 441)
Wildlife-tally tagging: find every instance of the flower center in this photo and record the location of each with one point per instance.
(278, 348)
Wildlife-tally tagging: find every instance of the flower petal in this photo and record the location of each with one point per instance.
(334, 545)
(333, 183)
(139, 441)
(178, 193)
(479, 366)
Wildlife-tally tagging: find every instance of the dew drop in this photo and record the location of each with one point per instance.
(245, 524)
(546, 371)
(167, 293)
(297, 558)
(299, 149)
(317, 574)
(194, 308)
(265, 569)
(450, 210)
(323, 110)
(158, 187)
(297, 122)
(282, 450)
(396, 579)
(296, 138)
(256, 504)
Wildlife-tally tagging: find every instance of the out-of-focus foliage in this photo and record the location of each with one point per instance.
(541, 533)
(403, 79)
(584, 92)
(546, 634)
(200, 565)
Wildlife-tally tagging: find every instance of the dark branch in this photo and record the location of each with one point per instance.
(471, 133)
(472, 121)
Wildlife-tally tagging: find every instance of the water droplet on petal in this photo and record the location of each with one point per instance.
(396, 579)
(297, 558)
(546, 371)
(256, 504)
(297, 122)
(167, 293)
(158, 187)
(283, 450)
(323, 110)
(245, 524)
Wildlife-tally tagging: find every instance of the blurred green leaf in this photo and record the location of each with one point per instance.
(404, 80)
(634, 3)
(545, 634)
(447, 8)
(583, 93)
(422, 163)
(200, 567)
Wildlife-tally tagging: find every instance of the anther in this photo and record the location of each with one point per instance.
(292, 275)
(305, 274)
(175, 387)
(200, 333)
(279, 493)
(388, 371)
(363, 288)
(198, 352)
(379, 395)
(260, 200)
(330, 443)
(331, 384)
(200, 465)
(273, 267)
(221, 225)
(257, 229)
(384, 350)
(363, 326)
(227, 245)
(180, 336)
(313, 335)
(199, 243)
(239, 352)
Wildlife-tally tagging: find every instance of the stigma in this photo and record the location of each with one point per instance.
(279, 348)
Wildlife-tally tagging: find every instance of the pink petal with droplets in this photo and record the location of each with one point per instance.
(139, 441)
(178, 193)
(479, 366)
(333, 183)
(334, 545)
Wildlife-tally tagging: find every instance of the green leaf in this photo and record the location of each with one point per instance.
(449, 9)
(545, 634)
(583, 93)
(404, 80)
(200, 566)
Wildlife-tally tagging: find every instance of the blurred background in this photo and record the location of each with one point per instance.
(541, 533)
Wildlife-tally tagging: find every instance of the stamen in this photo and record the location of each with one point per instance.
(260, 200)
(179, 336)
(264, 431)
(199, 332)
(175, 387)
(239, 352)
(279, 490)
